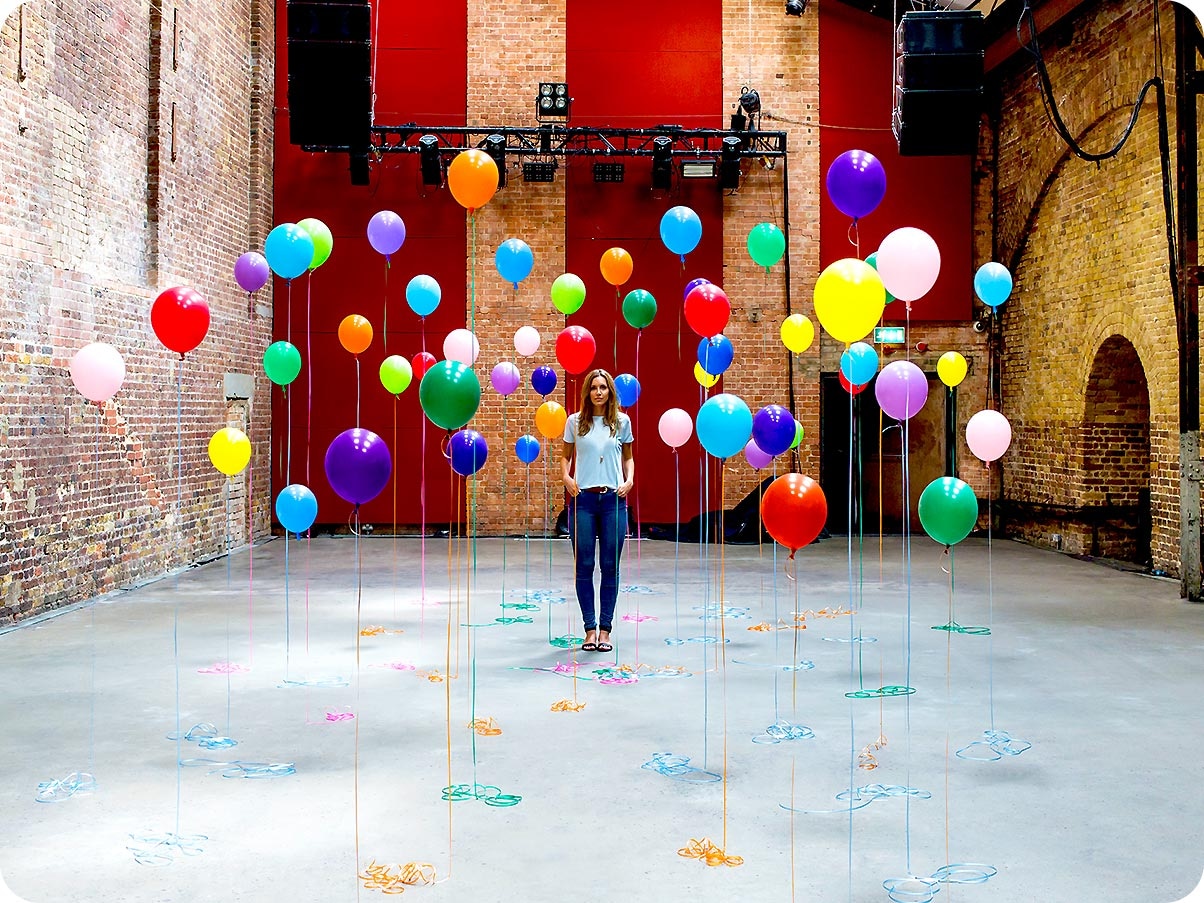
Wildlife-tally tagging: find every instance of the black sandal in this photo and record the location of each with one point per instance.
(603, 647)
(589, 647)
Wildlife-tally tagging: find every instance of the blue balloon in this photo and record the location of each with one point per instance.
(514, 260)
(627, 387)
(423, 294)
(527, 449)
(467, 450)
(992, 284)
(681, 230)
(543, 380)
(773, 429)
(693, 284)
(859, 363)
(715, 354)
(289, 250)
(296, 508)
(724, 425)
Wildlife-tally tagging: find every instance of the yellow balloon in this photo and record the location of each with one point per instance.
(797, 333)
(550, 420)
(951, 368)
(849, 299)
(706, 380)
(230, 450)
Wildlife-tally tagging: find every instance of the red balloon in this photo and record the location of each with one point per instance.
(794, 510)
(180, 318)
(848, 386)
(707, 309)
(575, 349)
(422, 362)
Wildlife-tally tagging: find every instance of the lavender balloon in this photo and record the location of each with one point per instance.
(386, 232)
(856, 183)
(757, 458)
(251, 271)
(504, 378)
(901, 389)
(358, 465)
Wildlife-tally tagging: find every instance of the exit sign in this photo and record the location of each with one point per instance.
(888, 335)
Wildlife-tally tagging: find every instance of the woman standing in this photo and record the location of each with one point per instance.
(598, 438)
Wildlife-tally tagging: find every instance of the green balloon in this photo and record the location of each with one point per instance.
(766, 244)
(872, 260)
(322, 239)
(395, 374)
(798, 435)
(450, 394)
(282, 362)
(948, 510)
(568, 293)
(639, 308)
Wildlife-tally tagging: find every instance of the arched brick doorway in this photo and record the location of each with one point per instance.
(1116, 454)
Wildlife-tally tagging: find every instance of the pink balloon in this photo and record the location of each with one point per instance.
(901, 389)
(97, 370)
(908, 262)
(988, 434)
(757, 458)
(526, 340)
(461, 345)
(675, 427)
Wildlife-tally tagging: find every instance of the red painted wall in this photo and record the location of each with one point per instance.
(930, 193)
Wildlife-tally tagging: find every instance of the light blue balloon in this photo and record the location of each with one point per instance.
(715, 354)
(423, 294)
(859, 363)
(296, 508)
(527, 449)
(992, 284)
(627, 388)
(681, 230)
(289, 250)
(724, 425)
(514, 260)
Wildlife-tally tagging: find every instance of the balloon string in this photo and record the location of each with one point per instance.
(287, 631)
(357, 391)
(639, 530)
(990, 604)
(175, 628)
(355, 760)
(396, 454)
(723, 638)
(472, 285)
(504, 469)
(384, 321)
(676, 536)
(309, 408)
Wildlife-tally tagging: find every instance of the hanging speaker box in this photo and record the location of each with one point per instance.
(329, 74)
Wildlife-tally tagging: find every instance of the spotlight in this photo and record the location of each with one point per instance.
(750, 101)
(553, 101)
(796, 7)
(495, 146)
(432, 166)
(609, 172)
(540, 171)
(729, 168)
(982, 324)
(698, 168)
(662, 163)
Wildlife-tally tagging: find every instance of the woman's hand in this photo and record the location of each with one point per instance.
(571, 485)
(623, 489)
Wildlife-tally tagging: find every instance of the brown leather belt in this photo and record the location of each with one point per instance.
(599, 490)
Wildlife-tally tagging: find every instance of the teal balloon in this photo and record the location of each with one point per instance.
(724, 425)
(948, 510)
(282, 362)
(766, 244)
(639, 308)
(450, 394)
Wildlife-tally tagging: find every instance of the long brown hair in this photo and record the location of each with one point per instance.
(610, 416)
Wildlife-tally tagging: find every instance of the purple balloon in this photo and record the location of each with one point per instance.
(543, 380)
(251, 271)
(467, 451)
(505, 378)
(693, 284)
(773, 429)
(901, 389)
(856, 183)
(757, 458)
(386, 232)
(358, 465)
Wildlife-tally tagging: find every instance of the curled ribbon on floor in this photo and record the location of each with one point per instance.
(384, 879)
(567, 705)
(640, 619)
(396, 666)
(435, 677)
(484, 727)
(339, 716)
(881, 692)
(223, 668)
(377, 630)
(59, 790)
(954, 627)
(486, 793)
(567, 641)
(706, 850)
(762, 627)
(782, 730)
(993, 747)
(680, 769)
(866, 758)
(157, 849)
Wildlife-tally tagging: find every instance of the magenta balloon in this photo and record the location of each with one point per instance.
(988, 434)
(505, 378)
(358, 465)
(757, 458)
(901, 389)
(251, 271)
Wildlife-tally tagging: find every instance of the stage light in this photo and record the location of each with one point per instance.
(432, 166)
(495, 146)
(796, 7)
(750, 101)
(609, 172)
(552, 101)
(662, 163)
(698, 168)
(729, 168)
(539, 171)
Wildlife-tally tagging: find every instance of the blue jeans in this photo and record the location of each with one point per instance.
(599, 522)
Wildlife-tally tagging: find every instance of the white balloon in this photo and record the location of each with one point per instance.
(526, 341)
(461, 345)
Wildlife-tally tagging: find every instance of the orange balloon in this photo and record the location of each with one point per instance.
(550, 420)
(616, 266)
(355, 333)
(472, 178)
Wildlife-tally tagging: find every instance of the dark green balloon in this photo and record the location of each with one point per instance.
(948, 510)
(872, 260)
(282, 362)
(450, 394)
(639, 308)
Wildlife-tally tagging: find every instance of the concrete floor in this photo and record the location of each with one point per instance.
(1098, 669)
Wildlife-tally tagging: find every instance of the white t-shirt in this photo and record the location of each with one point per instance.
(599, 454)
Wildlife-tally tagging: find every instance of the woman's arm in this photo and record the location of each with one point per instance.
(628, 470)
(566, 464)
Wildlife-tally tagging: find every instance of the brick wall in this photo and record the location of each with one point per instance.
(134, 162)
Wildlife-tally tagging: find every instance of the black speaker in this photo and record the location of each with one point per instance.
(329, 74)
(938, 82)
